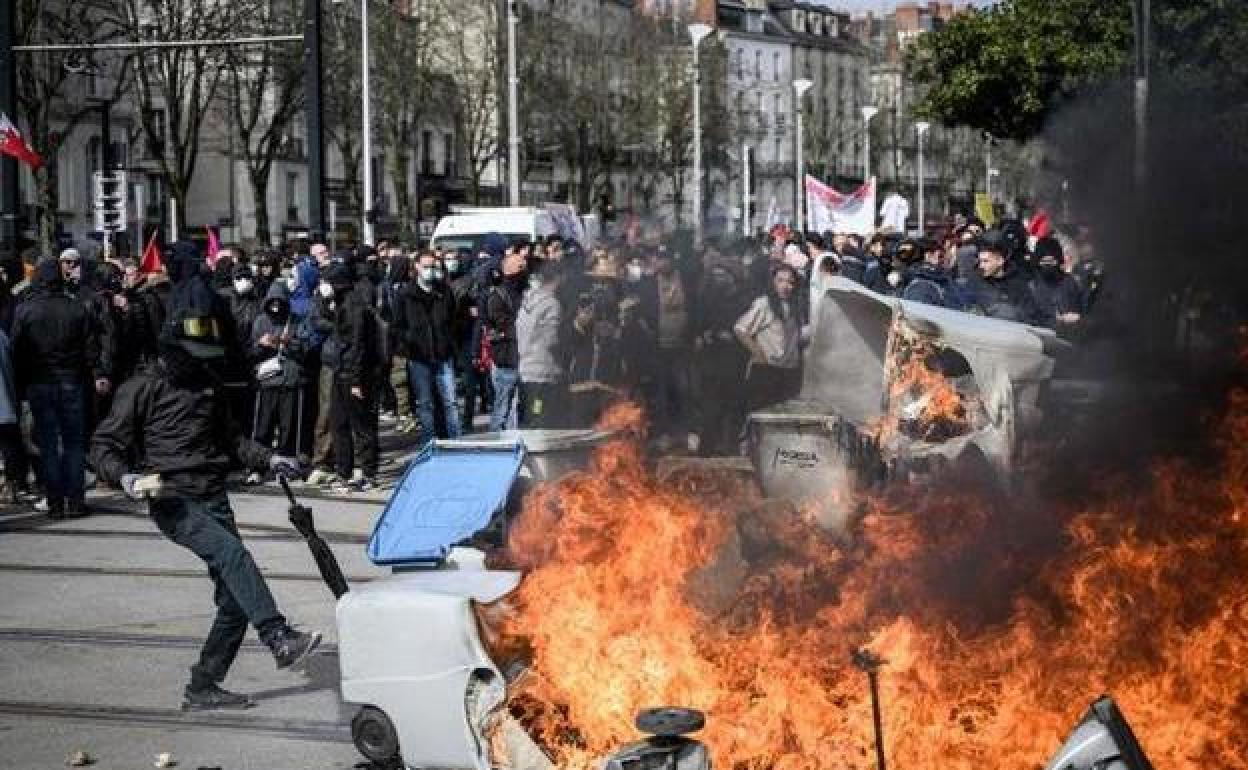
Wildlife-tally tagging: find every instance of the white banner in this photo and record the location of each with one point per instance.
(830, 211)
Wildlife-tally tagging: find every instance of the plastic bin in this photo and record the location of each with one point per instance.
(548, 454)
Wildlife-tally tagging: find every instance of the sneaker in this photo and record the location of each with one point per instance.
(319, 476)
(363, 484)
(406, 425)
(253, 478)
(213, 697)
(289, 646)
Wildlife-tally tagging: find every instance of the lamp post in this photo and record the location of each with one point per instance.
(697, 32)
(867, 113)
(800, 87)
(922, 127)
(513, 108)
(746, 214)
(367, 131)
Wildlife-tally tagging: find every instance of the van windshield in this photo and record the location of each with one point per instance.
(472, 242)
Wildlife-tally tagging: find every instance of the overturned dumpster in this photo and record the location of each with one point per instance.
(893, 388)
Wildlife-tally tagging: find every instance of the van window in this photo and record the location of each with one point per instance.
(472, 242)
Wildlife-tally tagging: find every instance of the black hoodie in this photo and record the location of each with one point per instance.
(54, 339)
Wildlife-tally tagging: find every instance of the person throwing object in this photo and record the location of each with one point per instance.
(171, 421)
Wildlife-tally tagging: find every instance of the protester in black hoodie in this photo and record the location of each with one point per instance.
(502, 306)
(1001, 290)
(56, 357)
(354, 411)
(172, 421)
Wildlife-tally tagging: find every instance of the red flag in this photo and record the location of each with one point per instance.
(1040, 225)
(151, 257)
(214, 246)
(12, 143)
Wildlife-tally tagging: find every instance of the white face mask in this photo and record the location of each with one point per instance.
(894, 279)
(242, 285)
(634, 272)
(535, 281)
(452, 265)
(292, 282)
(428, 275)
(326, 291)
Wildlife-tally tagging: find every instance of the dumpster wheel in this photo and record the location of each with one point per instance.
(374, 735)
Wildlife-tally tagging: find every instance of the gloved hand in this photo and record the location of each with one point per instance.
(285, 466)
(128, 481)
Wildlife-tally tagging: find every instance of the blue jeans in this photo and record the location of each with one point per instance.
(505, 381)
(60, 414)
(206, 528)
(423, 378)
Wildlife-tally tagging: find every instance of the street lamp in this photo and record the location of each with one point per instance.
(800, 87)
(922, 127)
(367, 118)
(697, 32)
(867, 113)
(992, 174)
(513, 109)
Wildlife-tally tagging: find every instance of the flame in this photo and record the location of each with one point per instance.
(998, 620)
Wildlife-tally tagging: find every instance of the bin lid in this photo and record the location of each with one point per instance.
(446, 495)
(535, 441)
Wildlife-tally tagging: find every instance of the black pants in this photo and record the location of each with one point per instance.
(770, 385)
(476, 384)
(279, 411)
(205, 526)
(16, 464)
(543, 405)
(355, 430)
(720, 365)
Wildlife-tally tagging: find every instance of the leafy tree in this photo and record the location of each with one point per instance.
(1004, 69)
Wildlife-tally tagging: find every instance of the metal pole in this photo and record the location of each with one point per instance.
(10, 190)
(697, 149)
(922, 208)
(313, 117)
(106, 155)
(513, 108)
(988, 169)
(367, 118)
(1143, 24)
(869, 663)
(798, 188)
(745, 190)
(173, 220)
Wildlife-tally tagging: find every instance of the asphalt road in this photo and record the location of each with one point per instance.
(101, 617)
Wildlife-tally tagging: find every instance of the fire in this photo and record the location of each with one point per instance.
(923, 402)
(998, 619)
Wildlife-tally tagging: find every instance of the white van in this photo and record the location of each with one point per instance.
(467, 227)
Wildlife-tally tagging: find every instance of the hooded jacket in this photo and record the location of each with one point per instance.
(54, 340)
(294, 352)
(1008, 297)
(185, 434)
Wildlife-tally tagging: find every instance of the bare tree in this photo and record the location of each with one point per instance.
(471, 54)
(53, 89)
(264, 95)
(341, 99)
(409, 89)
(176, 87)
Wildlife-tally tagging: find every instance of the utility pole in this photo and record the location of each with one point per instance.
(800, 87)
(10, 192)
(513, 108)
(697, 32)
(313, 117)
(1141, 16)
(922, 127)
(746, 216)
(367, 118)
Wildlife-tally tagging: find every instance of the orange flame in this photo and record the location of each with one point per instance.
(999, 621)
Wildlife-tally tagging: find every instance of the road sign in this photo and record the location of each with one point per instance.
(110, 201)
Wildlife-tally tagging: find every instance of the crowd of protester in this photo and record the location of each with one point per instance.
(323, 348)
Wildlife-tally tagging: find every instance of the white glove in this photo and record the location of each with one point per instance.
(285, 466)
(128, 480)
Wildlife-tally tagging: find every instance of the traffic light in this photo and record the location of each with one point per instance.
(110, 201)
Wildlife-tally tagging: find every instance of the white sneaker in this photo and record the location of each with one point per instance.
(318, 477)
(254, 478)
(42, 505)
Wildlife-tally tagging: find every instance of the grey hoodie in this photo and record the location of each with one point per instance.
(537, 332)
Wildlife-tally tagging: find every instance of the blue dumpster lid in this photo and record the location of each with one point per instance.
(446, 495)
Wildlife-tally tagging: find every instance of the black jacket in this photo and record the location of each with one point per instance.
(54, 337)
(502, 306)
(423, 323)
(1008, 297)
(1056, 295)
(185, 434)
(356, 340)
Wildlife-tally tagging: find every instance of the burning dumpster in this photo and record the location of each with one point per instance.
(892, 388)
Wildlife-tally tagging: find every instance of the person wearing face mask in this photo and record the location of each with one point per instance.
(244, 305)
(883, 275)
(424, 317)
(279, 350)
(173, 422)
(356, 344)
(539, 331)
(502, 305)
(56, 356)
(1057, 293)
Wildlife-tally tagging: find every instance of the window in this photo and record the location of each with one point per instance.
(448, 151)
(775, 66)
(739, 64)
(779, 147)
(758, 65)
(426, 152)
(292, 196)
